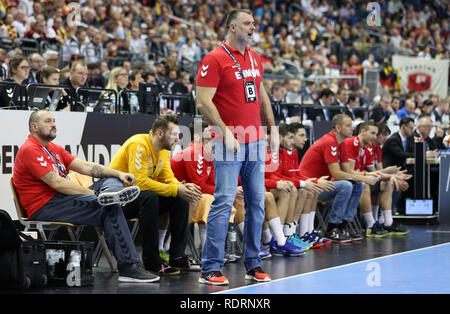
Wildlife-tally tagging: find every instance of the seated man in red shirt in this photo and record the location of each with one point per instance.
(46, 194)
(194, 164)
(381, 193)
(281, 198)
(323, 159)
(295, 135)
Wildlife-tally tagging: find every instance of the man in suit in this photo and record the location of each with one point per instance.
(351, 108)
(277, 98)
(326, 98)
(395, 151)
(383, 110)
(423, 130)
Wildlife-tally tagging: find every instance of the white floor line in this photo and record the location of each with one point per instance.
(335, 267)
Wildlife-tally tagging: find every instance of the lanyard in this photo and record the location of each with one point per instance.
(55, 161)
(237, 64)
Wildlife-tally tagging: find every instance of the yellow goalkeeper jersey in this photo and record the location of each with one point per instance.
(151, 169)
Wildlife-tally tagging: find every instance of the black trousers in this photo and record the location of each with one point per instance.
(147, 208)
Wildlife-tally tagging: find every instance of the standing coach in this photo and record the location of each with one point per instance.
(232, 99)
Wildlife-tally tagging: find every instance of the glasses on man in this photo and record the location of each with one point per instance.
(25, 67)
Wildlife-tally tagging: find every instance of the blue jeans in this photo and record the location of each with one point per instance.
(249, 164)
(346, 199)
(83, 209)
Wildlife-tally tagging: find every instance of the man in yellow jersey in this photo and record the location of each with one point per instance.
(146, 156)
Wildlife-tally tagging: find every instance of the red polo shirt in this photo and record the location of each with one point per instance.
(315, 162)
(190, 165)
(31, 163)
(217, 69)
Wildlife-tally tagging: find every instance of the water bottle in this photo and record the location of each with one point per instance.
(112, 108)
(231, 240)
(50, 258)
(134, 104)
(75, 257)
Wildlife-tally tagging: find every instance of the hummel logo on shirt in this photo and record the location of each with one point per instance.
(203, 72)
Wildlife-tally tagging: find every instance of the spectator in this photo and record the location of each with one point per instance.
(37, 63)
(15, 96)
(77, 78)
(75, 45)
(51, 58)
(95, 51)
(322, 113)
(50, 76)
(382, 111)
(3, 65)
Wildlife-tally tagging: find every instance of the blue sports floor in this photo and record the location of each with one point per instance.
(415, 264)
(424, 271)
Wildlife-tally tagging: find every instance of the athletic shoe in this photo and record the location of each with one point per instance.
(376, 231)
(257, 274)
(396, 230)
(164, 269)
(230, 258)
(136, 273)
(354, 236)
(264, 254)
(186, 264)
(164, 255)
(335, 235)
(316, 239)
(288, 249)
(213, 278)
(118, 195)
(298, 242)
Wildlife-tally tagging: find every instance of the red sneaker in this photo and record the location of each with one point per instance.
(213, 278)
(257, 274)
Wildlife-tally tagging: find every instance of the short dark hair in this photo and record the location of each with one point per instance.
(353, 97)
(383, 129)
(194, 127)
(296, 126)
(162, 122)
(406, 121)
(284, 129)
(326, 92)
(233, 15)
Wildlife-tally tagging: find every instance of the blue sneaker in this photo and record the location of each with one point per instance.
(316, 239)
(264, 254)
(288, 249)
(299, 242)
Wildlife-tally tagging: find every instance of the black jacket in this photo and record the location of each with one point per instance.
(13, 95)
(393, 152)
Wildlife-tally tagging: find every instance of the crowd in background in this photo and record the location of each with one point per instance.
(163, 41)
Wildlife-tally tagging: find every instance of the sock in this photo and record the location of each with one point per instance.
(387, 217)
(381, 218)
(293, 227)
(241, 227)
(304, 222)
(369, 219)
(375, 211)
(286, 230)
(162, 237)
(267, 236)
(312, 215)
(167, 243)
(202, 229)
(277, 229)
